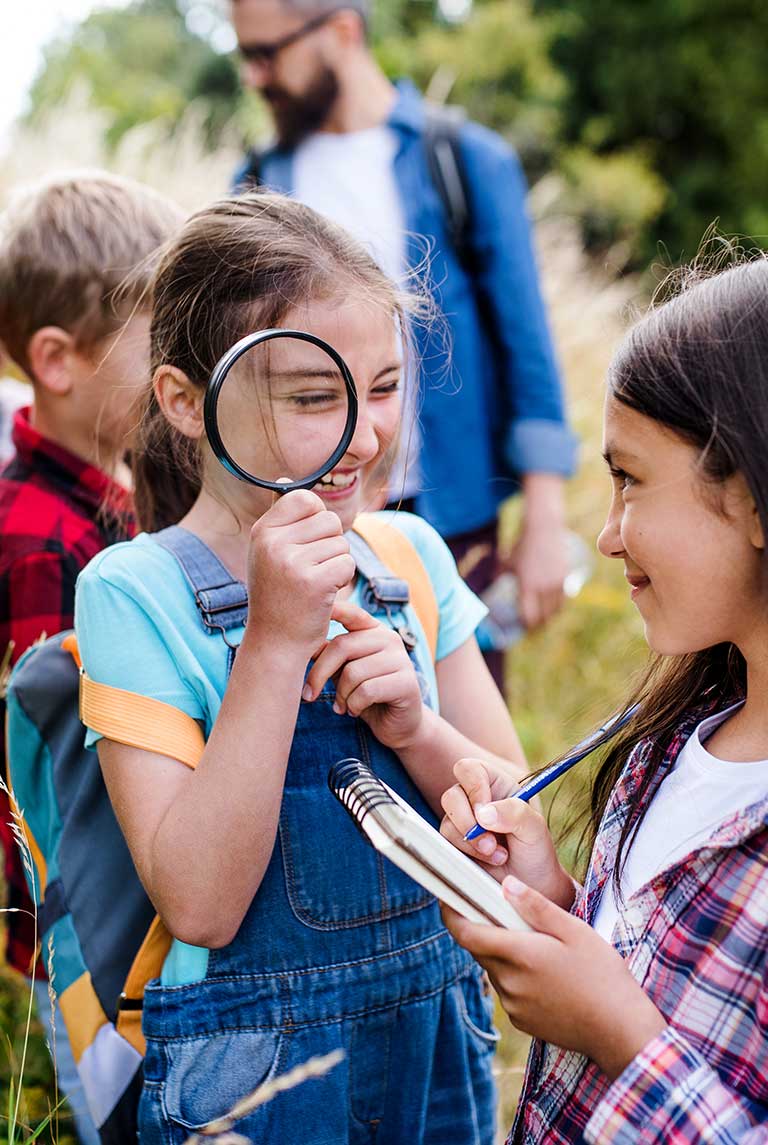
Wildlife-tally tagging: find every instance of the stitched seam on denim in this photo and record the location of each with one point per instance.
(301, 972)
(304, 915)
(324, 1019)
(423, 897)
(315, 923)
(489, 1040)
(362, 740)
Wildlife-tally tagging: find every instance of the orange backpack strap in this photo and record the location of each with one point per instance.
(137, 721)
(399, 554)
(147, 964)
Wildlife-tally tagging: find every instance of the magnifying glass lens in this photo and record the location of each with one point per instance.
(283, 410)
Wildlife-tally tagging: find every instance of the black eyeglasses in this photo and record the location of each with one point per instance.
(265, 54)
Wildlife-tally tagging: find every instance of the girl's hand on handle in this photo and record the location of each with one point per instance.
(375, 678)
(562, 982)
(298, 560)
(517, 841)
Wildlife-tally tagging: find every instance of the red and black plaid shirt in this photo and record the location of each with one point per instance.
(56, 513)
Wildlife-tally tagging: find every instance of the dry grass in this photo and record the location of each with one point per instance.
(564, 679)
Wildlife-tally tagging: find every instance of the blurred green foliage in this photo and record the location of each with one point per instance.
(497, 66)
(653, 115)
(144, 62)
(683, 85)
(38, 1091)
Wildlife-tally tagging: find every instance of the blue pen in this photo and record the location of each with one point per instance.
(555, 770)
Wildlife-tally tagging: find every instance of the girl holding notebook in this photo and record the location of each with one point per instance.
(291, 937)
(649, 1000)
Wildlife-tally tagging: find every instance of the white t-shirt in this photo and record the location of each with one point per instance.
(350, 179)
(698, 794)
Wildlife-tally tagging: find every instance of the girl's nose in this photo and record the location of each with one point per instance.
(365, 444)
(609, 542)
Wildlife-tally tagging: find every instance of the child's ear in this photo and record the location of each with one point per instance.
(756, 534)
(180, 400)
(51, 354)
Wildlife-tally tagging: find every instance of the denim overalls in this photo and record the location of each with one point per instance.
(339, 950)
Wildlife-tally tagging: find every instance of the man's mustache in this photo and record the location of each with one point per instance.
(274, 94)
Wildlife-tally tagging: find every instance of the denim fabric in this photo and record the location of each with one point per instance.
(339, 949)
(496, 376)
(417, 1065)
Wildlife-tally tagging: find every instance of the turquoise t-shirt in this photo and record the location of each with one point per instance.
(138, 628)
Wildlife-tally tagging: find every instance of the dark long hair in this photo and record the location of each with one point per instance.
(697, 364)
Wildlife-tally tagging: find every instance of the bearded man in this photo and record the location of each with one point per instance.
(491, 419)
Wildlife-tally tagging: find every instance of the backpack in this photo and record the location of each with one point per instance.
(447, 170)
(99, 934)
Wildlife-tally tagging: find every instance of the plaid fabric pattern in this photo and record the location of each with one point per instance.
(696, 938)
(56, 513)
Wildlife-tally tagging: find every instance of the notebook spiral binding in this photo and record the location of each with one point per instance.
(358, 789)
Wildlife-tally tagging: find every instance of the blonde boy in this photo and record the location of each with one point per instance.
(66, 245)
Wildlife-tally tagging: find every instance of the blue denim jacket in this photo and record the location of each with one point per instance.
(491, 403)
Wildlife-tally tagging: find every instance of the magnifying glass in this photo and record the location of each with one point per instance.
(280, 409)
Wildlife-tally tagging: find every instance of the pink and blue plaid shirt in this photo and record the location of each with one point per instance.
(696, 938)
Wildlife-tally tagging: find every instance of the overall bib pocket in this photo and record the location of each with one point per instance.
(334, 879)
(344, 882)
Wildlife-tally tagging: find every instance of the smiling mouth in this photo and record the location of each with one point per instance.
(637, 584)
(337, 482)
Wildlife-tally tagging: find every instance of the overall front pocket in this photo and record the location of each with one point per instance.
(208, 1076)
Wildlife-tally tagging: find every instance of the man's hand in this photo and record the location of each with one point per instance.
(539, 556)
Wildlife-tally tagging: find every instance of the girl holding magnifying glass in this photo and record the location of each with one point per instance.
(291, 938)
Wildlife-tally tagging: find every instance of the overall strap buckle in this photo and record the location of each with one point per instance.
(222, 601)
(392, 595)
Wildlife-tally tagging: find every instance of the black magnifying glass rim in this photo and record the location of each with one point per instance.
(219, 376)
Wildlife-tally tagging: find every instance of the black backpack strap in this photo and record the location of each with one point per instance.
(249, 176)
(442, 144)
(222, 601)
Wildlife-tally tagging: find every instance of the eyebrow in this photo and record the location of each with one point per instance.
(395, 367)
(615, 457)
(309, 374)
(303, 375)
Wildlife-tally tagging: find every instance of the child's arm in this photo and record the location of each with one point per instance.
(201, 840)
(564, 984)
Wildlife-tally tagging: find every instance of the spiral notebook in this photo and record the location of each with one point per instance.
(395, 829)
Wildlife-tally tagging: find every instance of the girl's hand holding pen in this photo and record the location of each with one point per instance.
(517, 840)
(562, 982)
(375, 678)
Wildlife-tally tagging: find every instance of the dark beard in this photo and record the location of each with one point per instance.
(296, 117)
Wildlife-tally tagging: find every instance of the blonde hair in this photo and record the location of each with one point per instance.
(239, 265)
(66, 245)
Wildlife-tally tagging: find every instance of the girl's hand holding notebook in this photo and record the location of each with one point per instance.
(562, 982)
